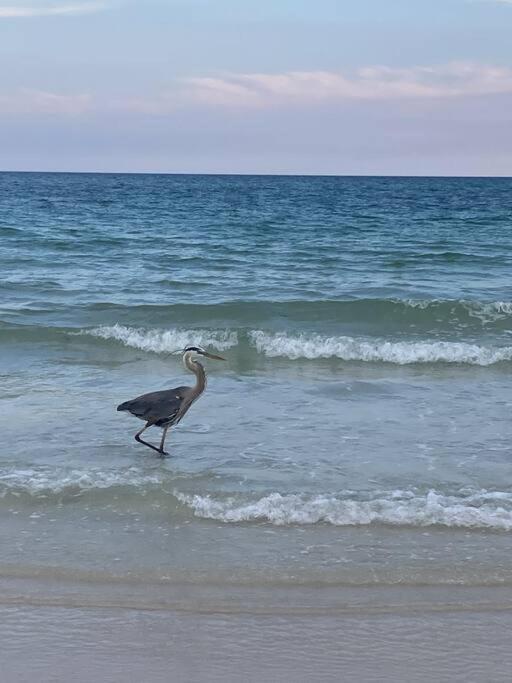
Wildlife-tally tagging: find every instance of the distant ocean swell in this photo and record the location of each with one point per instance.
(398, 314)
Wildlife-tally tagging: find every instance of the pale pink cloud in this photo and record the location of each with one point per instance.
(290, 89)
(222, 90)
(369, 83)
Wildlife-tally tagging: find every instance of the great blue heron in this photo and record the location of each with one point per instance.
(166, 408)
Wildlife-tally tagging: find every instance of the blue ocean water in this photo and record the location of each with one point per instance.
(367, 327)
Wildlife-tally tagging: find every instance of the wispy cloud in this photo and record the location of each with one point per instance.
(39, 102)
(368, 83)
(295, 89)
(26, 11)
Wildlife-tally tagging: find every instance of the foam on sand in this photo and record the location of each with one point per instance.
(49, 480)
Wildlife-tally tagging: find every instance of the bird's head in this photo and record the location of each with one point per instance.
(190, 352)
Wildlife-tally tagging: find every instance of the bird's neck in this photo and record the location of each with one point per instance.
(198, 370)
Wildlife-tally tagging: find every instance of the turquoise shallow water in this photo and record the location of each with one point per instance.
(361, 426)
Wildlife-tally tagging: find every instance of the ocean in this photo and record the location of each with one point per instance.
(359, 434)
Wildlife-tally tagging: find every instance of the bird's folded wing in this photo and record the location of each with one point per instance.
(154, 406)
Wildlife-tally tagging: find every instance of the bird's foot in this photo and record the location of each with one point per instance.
(163, 453)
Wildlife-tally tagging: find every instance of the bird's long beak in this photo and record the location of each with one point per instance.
(172, 353)
(212, 355)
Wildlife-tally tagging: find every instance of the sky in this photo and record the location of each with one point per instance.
(358, 87)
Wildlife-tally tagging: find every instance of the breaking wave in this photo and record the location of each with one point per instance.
(486, 311)
(168, 341)
(490, 311)
(465, 508)
(307, 346)
(312, 346)
(479, 510)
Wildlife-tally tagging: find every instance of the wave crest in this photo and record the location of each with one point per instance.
(503, 308)
(313, 346)
(307, 345)
(483, 510)
(161, 341)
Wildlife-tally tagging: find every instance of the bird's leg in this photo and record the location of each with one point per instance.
(162, 452)
(137, 438)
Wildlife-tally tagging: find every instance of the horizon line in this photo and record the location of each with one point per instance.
(262, 175)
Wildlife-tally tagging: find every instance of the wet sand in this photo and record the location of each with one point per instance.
(63, 630)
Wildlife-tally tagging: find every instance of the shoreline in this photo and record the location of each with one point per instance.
(255, 598)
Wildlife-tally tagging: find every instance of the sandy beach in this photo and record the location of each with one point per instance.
(61, 629)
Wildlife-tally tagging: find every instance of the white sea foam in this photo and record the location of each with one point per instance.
(311, 346)
(161, 341)
(489, 312)
(308, 346)
(485, 311)
(49, 480)
(422, 304)
(482, 510)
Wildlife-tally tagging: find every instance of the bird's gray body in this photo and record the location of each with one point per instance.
(160, 408)
(166, 408)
